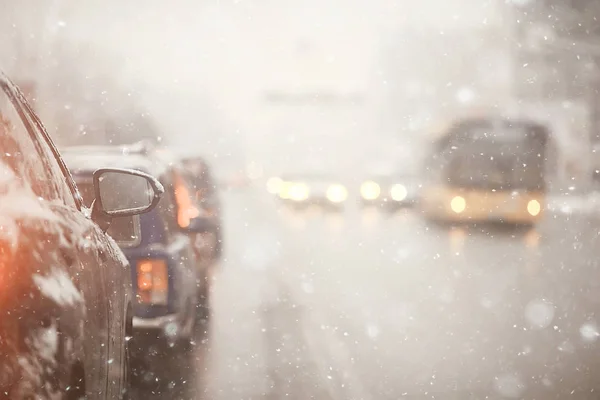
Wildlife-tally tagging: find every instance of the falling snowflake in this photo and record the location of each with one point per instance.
(539, 313)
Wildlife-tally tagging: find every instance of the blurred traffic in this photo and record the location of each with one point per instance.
(327, 200)
(306, 189)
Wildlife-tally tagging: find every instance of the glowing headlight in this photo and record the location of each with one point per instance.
(458, 204)
(337, 193)
(398, 192)
(284, 190)
(298, 192)
(534, 207)
(370, 190)
(274, 185)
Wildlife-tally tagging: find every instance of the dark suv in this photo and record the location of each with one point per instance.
(170, 281)
(65, 303)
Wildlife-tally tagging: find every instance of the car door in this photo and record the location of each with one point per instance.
(62, 241)
(113, 268)
(94, 262)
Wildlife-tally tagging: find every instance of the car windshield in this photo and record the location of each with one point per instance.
(497, 172)
(494, 157)
(341, 199)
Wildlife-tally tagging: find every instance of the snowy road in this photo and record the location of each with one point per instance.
(359, 306)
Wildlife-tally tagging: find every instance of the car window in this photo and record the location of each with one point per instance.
(60, 176)
(20, 151)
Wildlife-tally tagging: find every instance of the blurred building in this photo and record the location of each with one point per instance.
(534, 58)
(557, 76)
(331, 82)
(71, 84)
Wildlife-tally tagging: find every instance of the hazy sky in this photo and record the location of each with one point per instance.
(188, 54)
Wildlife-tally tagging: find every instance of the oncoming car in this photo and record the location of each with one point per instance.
(66, 303)
(303, 190)
(170, 282)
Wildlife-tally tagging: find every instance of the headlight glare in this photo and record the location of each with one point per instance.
(274, 185)
(458, 204)
(534, 207)
(284, 190)
(398, 192)
(337, 193)
(299, 192)
(370, 190)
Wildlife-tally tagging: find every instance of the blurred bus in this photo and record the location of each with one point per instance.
(487, 170)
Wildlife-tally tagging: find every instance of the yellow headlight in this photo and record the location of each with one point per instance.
(337, 193)
(274, 185)
(299, 192)
(534, 207)
(458, 204)
(284, 190)
(370, 190)
(398, 192)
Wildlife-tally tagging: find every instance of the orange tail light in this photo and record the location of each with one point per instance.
(186, 210)
(152, 281)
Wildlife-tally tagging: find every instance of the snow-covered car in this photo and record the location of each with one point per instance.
(66, 302)
(170, 279)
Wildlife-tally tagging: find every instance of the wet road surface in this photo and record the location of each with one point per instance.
(360, 305)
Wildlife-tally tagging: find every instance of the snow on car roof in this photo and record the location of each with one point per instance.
(86, 159)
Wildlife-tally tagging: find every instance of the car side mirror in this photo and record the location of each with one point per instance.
(201, 225)
(123, 193)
